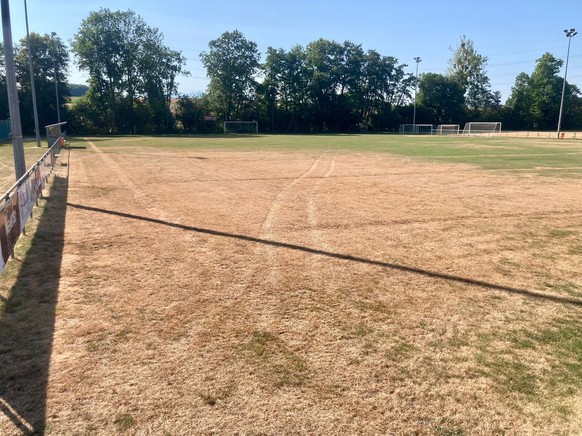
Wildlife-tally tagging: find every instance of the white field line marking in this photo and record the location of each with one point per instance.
(270, 318)
(137, 193)
(317, 235)
(267, 226)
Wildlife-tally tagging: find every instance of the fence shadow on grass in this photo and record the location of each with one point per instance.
(27, 324)
(346, 257)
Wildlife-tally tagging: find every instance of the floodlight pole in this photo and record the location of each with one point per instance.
(32, 85)
(13, 105)
(417, 60)
(569, 34)
(53, 34)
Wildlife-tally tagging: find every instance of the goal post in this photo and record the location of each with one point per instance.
(416, 129)
(241, 127)
(448, 129)
(482, 127)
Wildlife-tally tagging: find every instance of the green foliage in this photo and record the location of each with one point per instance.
(191, 113)
(535, 99)
(285, 89)
(50, 62)
(467, 67)
(329, 86)
(326, 86)
(129, 68)
(78, 90)
(231, 63)
(443, 95)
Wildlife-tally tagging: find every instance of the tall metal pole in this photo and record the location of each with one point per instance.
(569, 34)
(417, 59)
(32, 85)
(15, 123)
(53, 34)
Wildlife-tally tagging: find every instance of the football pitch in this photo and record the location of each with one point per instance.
(325, 284)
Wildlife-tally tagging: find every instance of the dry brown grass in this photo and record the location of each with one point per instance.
(264, 292)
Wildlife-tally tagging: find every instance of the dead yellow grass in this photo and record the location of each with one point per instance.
(231, 292)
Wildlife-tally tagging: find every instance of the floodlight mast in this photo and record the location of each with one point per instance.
(32, 85)
(55, 47)
(417, 60)
(569, 34)
(12, 90)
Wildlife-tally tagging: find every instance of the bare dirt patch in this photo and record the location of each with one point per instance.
(263, 292)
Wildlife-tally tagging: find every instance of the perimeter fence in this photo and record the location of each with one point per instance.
(16, 204)
(534, 134)
(530, 134)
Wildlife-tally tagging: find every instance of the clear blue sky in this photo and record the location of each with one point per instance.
(511, 34)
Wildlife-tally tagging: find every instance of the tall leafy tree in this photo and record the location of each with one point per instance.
(335, 82)
(520, 103)
(535, 99)
(50, 63)
(329, 85)
(129, 68)
(467, 67)
(385, 86)
(232, 63)
(443, 95)
(323, 65)
(286, 81)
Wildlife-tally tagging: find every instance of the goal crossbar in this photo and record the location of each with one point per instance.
(482, 127)
(416, 129)
(448, 129)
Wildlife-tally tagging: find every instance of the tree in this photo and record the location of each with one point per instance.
(520, 102)
(78, 90)
(323, 67)
(535, 99)
(385, 86)
(4, 110)
(191, 113)
(50, 62)
(129, 67)
(286, 82)
(231, 63)
(163, 65)
(443, 95)
(467, 67)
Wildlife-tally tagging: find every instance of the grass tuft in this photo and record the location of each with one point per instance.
(510, 375)
(208, 399)
(124, 421)
(554, 375)
(283, 366)
(561, 233)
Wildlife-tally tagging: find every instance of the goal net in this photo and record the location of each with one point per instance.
(480, 128)
(416, 129)
(241, 127)
(448, 129)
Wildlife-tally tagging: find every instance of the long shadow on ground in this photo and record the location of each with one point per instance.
(346, 257)
(27, 324)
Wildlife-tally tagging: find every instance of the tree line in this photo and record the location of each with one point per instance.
(324, 86)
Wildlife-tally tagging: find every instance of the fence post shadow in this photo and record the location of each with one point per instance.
(27, 324)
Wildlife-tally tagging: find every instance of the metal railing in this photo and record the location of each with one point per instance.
(16, 203)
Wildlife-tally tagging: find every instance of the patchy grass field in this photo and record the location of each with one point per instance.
(299, 284)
